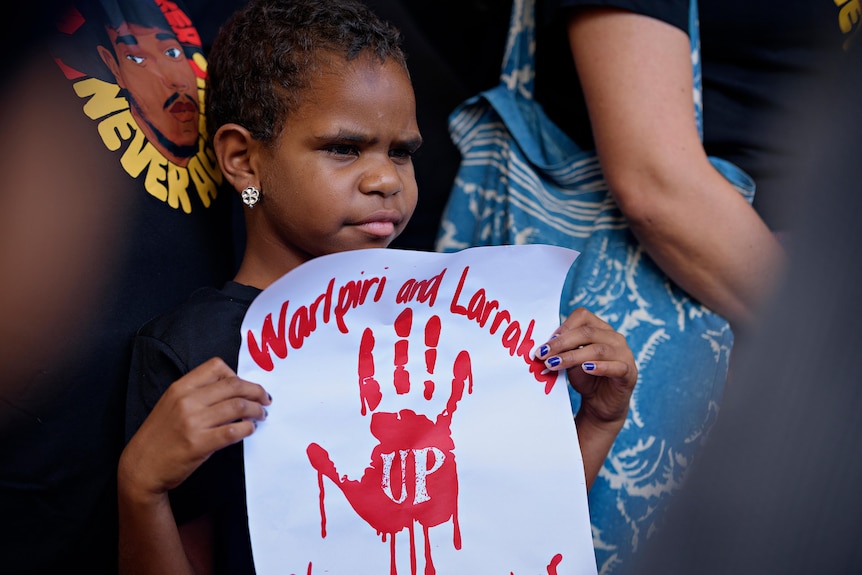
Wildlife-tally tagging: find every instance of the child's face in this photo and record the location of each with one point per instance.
(340, 176)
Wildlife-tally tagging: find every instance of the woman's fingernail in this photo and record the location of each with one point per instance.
(544, 350)
(265, 413)
(554, 361)
(269, 396)
(589, 366)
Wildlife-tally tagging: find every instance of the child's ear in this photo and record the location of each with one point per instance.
(234, 149)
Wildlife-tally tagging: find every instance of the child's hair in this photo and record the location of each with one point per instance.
(267, 52)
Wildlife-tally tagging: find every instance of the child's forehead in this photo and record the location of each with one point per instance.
(336, 67)
(356, 95)
(336, 61)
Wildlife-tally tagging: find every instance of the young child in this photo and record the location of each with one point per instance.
(312, 114)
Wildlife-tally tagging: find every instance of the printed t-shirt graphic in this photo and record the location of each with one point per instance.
(140, 72)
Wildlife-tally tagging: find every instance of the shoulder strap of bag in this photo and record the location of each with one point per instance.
(518, 71)
(518, 68)
(694, 37)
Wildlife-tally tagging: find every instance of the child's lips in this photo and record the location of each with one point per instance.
(380, 228)
(380, 224)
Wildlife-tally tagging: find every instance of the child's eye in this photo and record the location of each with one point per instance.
(402, 153)
(343, 150)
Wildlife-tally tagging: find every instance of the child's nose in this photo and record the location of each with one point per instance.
(382, 177)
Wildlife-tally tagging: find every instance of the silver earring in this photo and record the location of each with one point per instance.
(250, 196)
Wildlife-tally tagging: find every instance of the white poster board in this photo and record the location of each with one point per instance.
(411, 430)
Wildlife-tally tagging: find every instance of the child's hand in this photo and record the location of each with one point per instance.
(600, 364)
(207, 409)
(601, 367)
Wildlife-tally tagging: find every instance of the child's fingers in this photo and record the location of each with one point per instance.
(211, 407)
(584, 321)
(610, 369)
(580, 331)
(230, 433)
(568, 357)
(234, 398)
(215, 380)
(215, 390)
(230, 411)
(206, 373)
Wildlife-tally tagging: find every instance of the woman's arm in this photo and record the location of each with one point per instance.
(690, 220)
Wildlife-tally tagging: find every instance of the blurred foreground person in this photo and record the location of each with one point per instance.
(106, 224)
(777, 488)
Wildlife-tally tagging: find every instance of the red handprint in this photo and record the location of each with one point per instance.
(412, 476)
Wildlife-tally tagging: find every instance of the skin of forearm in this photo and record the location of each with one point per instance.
(149, 539)
(690, 220)
(706, 237)
(596, 439)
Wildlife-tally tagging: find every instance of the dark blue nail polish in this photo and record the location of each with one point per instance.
(544, 350)
(589, 366)
(554, 361)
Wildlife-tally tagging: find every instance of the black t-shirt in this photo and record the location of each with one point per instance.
(762, 66)
(557, 86)
(168, 347)
(162, 229)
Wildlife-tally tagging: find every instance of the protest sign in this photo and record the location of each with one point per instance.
(411, 430)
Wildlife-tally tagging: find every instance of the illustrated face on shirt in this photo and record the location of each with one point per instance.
(150, 65)
(340, 175)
